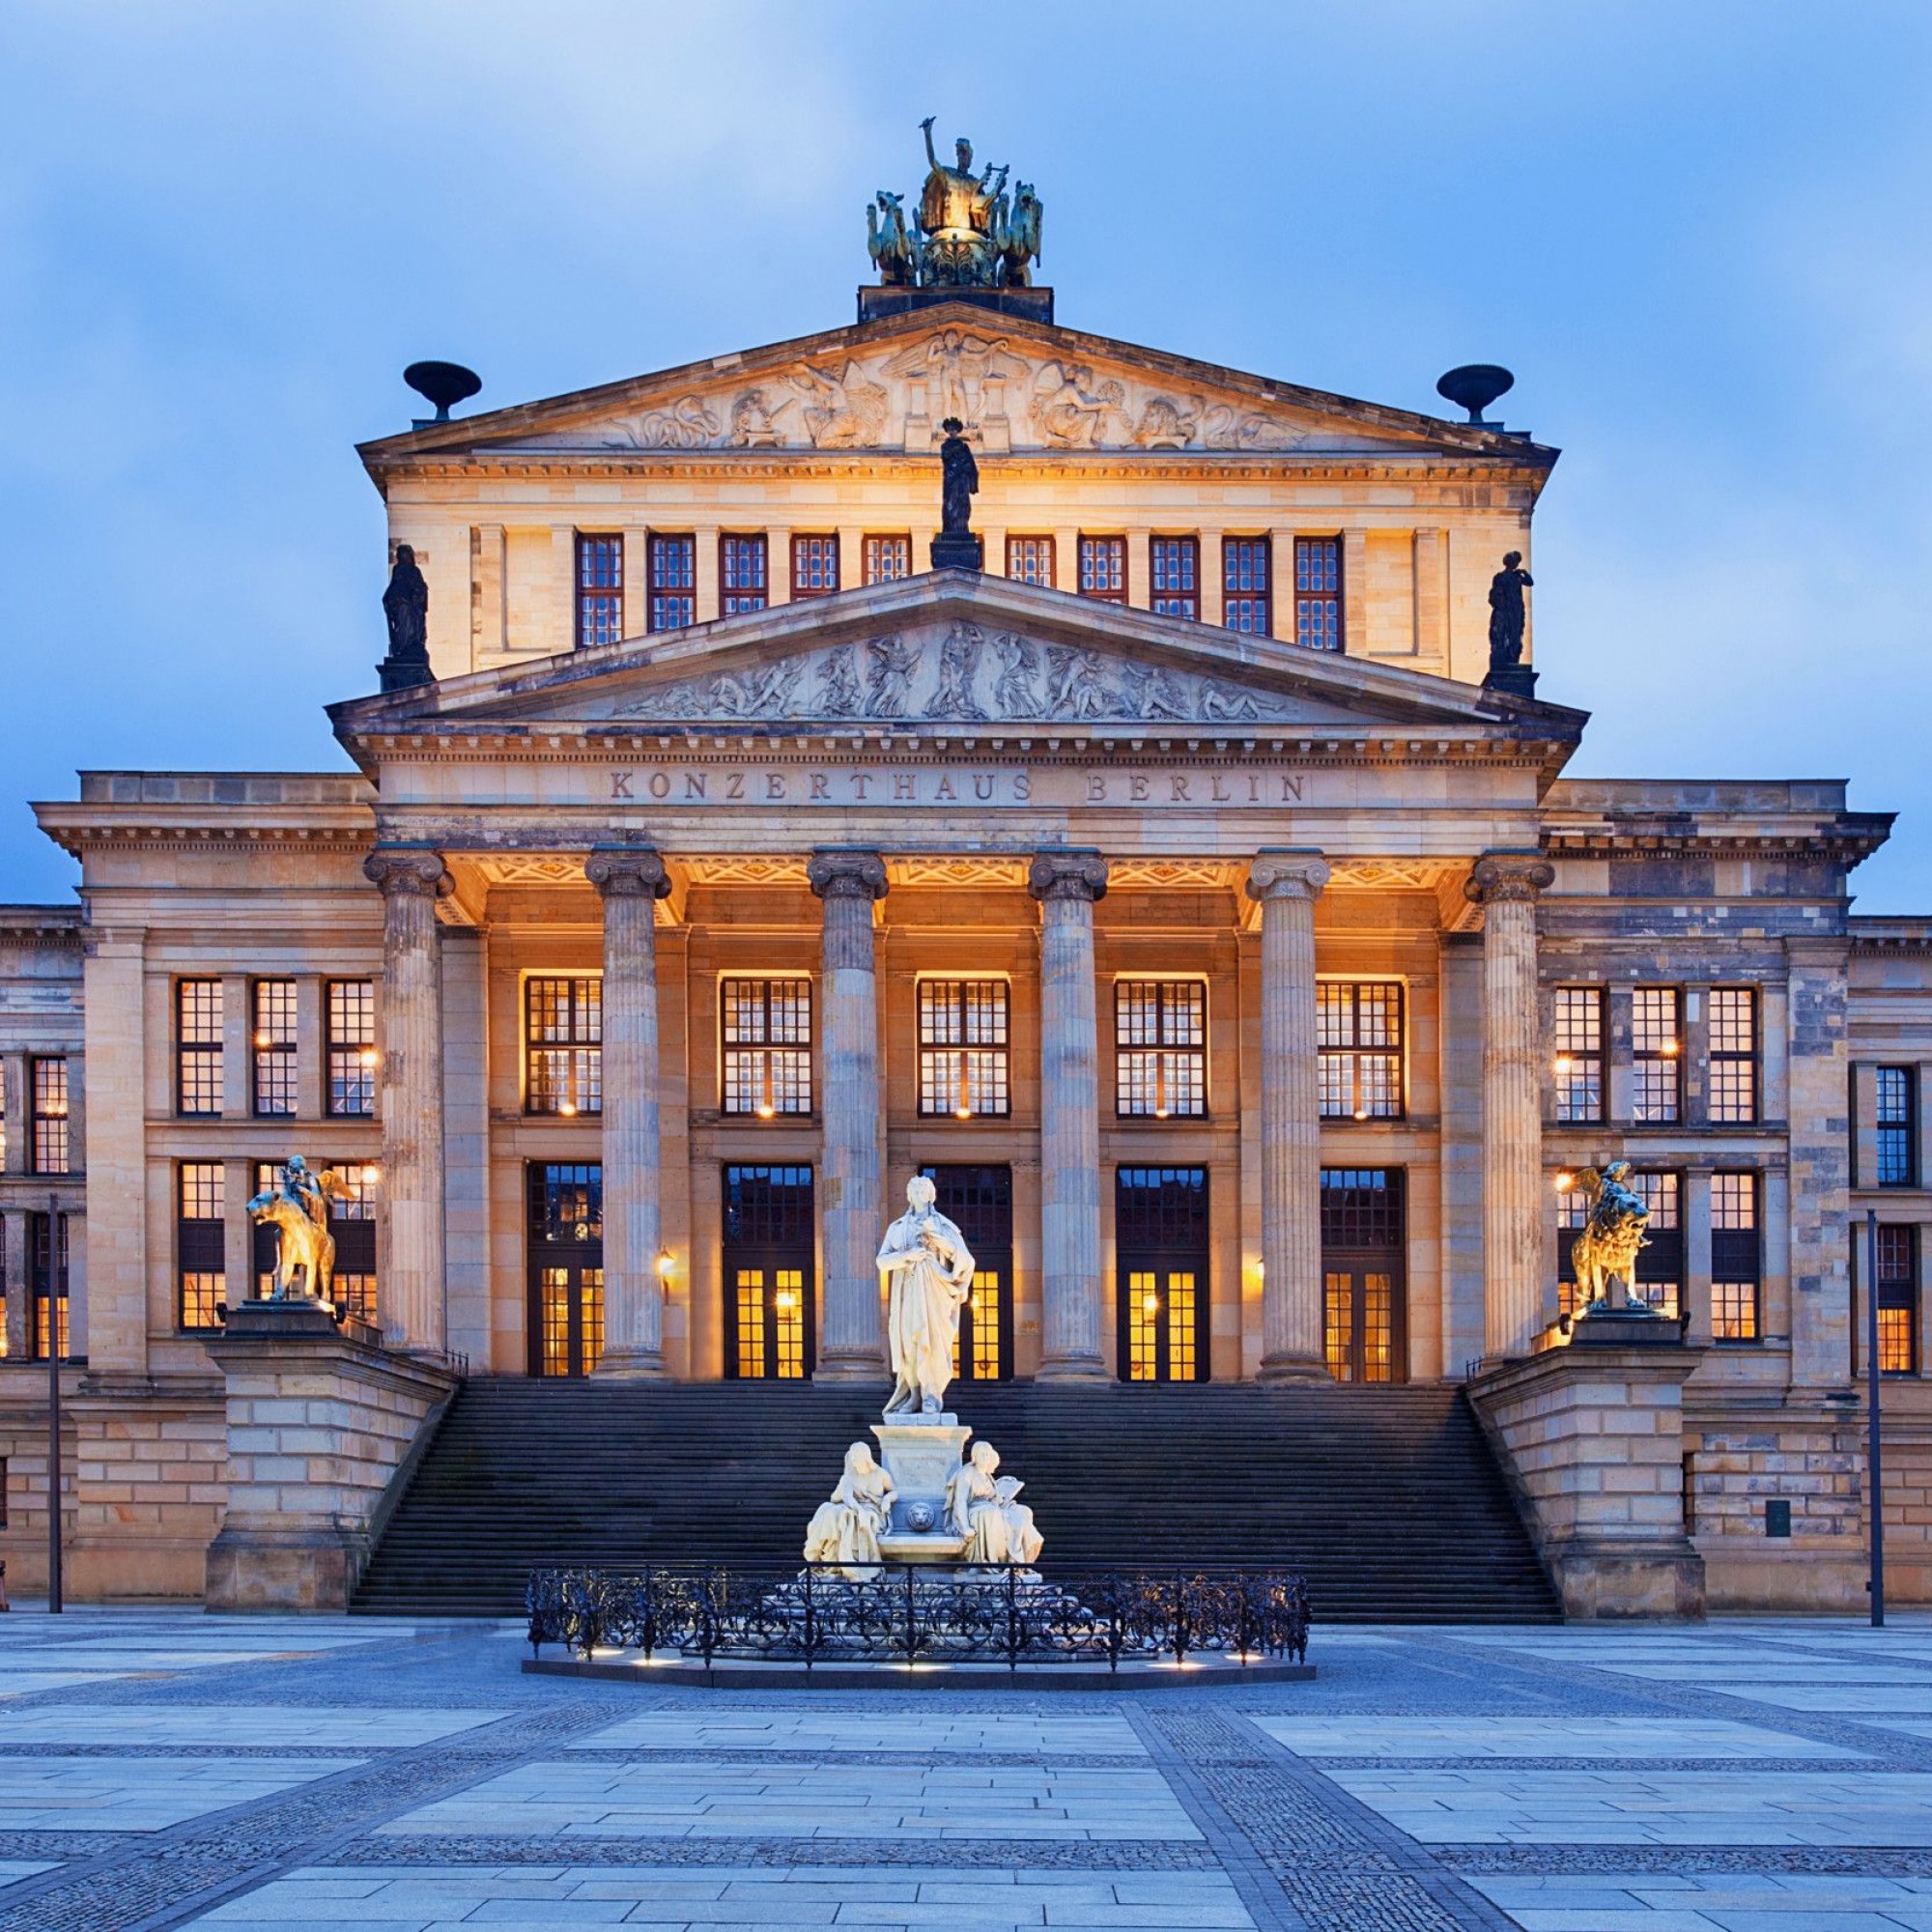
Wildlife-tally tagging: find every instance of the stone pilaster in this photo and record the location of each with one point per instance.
(1286, 886)
(850, 1345)
(1506, 885)
(631, 880)
(1067, 885)
(409, 1268)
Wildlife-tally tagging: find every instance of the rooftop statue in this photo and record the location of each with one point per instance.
(1507, 614)
(968, 231)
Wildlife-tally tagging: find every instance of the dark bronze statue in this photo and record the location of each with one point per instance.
(959, 481)
(1506, 613)
(406, 606)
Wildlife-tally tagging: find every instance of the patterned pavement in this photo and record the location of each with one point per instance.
(169, 1768)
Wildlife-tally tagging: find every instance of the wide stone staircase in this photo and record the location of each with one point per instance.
(1388, 1499)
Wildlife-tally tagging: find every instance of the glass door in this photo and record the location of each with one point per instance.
(979, 1202)
(1160, 1290)
(566, 1267)
(1362, 1274)
(770, 1279)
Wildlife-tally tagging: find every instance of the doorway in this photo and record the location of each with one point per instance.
(566, 1267)
(1161, 1274)
(770, 1274)
(1364, 1282)
(979, 1201)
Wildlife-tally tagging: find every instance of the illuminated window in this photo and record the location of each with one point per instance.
(47, 1096)
(1030, 561)
(563, 1035)
(672, 600)
(767, 1030)
(200, 1245)
(566, 1267)
(274, 1047)
(888, 560)
(768, 1268)
(47, 1284)
(1247, 578)
(350, 1023)
(1160, 1232)
(814, 566)
(743, 574)
(979, 1200)
(1736, 1265)
(1103, 569)
(1657, 1054)
(1318, 592)
(1733, 1054)
(1897, 1125)
(962, 1048)
(1362, 1272)
(1174, 566)
(1899, 1300)
(1660, 1261)
(1578, 1027)
(600, 589)
(198, 1046)
(1358, 1049)
(1160, 1048)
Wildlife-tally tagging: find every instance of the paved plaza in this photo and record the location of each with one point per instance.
(168, 1769)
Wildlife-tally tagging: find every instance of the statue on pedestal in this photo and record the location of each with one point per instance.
(958, 481)
(931, 1269)
(846, 1527)
(298, 1210)
(1603, 1254)
(984, 1509)
(966, 233)
(1507, 614)
(406, 608)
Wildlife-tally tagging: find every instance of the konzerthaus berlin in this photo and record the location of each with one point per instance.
(1249, 977)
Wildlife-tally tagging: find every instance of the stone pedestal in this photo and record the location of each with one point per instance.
(922, 1458)
(967, 553)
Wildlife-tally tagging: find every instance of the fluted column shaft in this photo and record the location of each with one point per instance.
(409, 1267)
(1506, 885)
(631, 880)
(1067, 885)
(851, 1342)
(1286, 885)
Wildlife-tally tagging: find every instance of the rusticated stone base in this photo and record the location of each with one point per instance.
(251, 1568)
(1602, 1580)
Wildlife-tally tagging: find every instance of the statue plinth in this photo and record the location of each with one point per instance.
(958, 553)
(1030, 305)
(922, 1456)
(1518, 680)
(284, 1315)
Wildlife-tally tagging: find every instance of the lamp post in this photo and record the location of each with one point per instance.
(1874, 1456)
(54, 1284)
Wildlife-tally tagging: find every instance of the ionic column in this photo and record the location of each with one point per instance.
(410, 1270)
(1506, 885)
(851, 1348)
(1066, 884)
(1286, 886)
(629, 880)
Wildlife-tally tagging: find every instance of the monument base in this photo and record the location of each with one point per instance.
(1518, 680)
(967, 553)
(921, 1455)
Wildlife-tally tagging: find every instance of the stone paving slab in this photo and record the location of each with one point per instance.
(1610, 1738)
(942, 1732)
(233, 1724)
(141, 1793)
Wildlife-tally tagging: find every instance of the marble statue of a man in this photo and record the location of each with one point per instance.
(986, 1511)
(931, 1274)
(846, 1527)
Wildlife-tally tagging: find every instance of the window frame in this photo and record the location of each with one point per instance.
(583, 1088)
(796, 1056)
(1731, 1113)
(598, 614)
(1581, 1059)
(202, 1255)
(275, 1049)
(203, 1054)
(49, 1120)
(873, 553)
(1167, 599)
(1161, 1053)
(1253, 599)
(1042, 553)
(1091, 544)
(1905, 1173)
(803, 567)
(1355, 1052)
(1333, 620)
(735, 550)
(994, 1056)
(365, 1057)
(1671, 1055)
(1897, 1292)
(1743, 1266)
(662, 588)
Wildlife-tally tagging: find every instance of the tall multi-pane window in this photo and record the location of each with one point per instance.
(1248, 585)
(1103, 569)
(1733, 1054)
(1736, 1257)
(1318, 592)
(888, 559)
(49, 1287)
(201, 1259)
(767, 1030)
(47, 1096)
(198, 1046)
(350, 1019)
(1657, 1053)
(671, 602)
(274, 1047)
(1030, 561)
(1358, 1049)
(353, 1223)
(1899, 1300)
(1160, 1048)
(1897, 1125)
(744, 577)
(563, 1044)
(1579, 1028)
(600, 589)
(814, 566)
(962, 1048)
(1659, 1263)
(1174, 565)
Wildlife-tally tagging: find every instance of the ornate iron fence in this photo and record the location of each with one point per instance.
(915, 1613)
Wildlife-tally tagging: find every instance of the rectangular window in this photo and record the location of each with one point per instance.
(744, 578)
(1318, 592)
(1733, 1055)
(1247, 598)
(563, 1044)
(1659, 1263)
(673, 600)
(1160, 1048)
(1160, 1227)
(1899, 1300)
(814, 566)
(47, 1284)
(767, 1030)
(1030, 561)
(198, 1046)
(1735, 1264)
(48, 1099)
(1578, 1018)
(1657, 1054)
(888, 560)
(350, 1022)
(600, 589)
(1362, 1270)
(274, 1047)
(1358, 1049)
(1174, 566)
(1897, 1125)
(962, 1048)
(1103, 569)
(200, 1245)
(768, 1270)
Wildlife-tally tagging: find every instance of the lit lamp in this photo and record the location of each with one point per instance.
(370, 1057)
(1565, 1183)
(567, 1107)
(666, 1262)
(1150, 1303)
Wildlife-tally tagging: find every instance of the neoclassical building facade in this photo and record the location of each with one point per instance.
(1248, 976)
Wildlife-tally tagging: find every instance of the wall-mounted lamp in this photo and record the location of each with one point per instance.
(666, 1262)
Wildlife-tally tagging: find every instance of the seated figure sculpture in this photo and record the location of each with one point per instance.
(998, 1528)
(846, 1527)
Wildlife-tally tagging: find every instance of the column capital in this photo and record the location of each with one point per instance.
(846, 873)
(1499, 877)
(408, 872)
(627, 872)
(1076, 875)
(1298, 875)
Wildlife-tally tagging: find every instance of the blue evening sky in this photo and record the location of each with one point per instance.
(1697, 233)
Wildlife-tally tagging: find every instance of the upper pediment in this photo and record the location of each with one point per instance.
(1017, 384)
